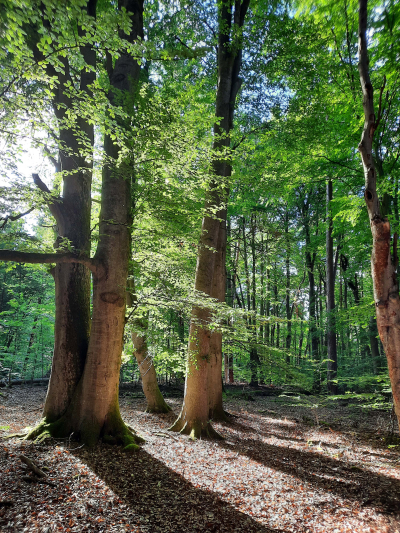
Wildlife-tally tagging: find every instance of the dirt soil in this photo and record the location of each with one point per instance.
(285, 465)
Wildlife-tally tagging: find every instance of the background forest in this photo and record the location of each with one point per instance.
(295, 192)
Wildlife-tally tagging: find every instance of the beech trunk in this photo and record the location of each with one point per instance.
(93, 411)
(383, 263)
(204, 369)
(72, 214)
(330, 297)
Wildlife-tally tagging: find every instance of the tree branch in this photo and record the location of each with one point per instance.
(40, 258)
(263, 126)
(15, 217)
(54, 204)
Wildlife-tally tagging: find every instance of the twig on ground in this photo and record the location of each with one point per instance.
(32, 466)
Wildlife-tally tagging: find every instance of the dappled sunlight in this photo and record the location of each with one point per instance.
(265, 477)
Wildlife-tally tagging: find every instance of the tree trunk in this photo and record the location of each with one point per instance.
(330, 294)
(202, 374)
(374, 345)
(94, 410)
(72, 214)
(383, 265)
(216, 410)
(30, 343)
(287, 296)
(155, 400)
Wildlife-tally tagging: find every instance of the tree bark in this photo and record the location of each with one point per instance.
(72, 214)
(287, 296)
(155, 400)
(94, 410)
(383, 264)
(330, 294)
(210, 272)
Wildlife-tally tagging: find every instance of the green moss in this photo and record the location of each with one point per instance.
(46, 430)
(130, 448)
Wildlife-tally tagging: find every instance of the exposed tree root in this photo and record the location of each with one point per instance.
(196, 430)
(220, 416)
(117, 433)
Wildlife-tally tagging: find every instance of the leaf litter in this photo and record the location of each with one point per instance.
(274, 472)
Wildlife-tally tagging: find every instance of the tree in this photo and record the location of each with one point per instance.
(383, 263)
(330, 293)
(88, 408)
(203, 389)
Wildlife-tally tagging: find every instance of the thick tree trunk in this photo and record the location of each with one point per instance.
(94, 410)
(72, 281)
(216, 410)
(383, 265)
(330, 293)
(194, 417)
(198, 401)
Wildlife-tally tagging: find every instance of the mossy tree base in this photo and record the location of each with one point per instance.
(220, 416)
(160, 408)
(120, 435)
(196, 430)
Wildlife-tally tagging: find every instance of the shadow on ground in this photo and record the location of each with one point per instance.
(346, 478)
(162, 500)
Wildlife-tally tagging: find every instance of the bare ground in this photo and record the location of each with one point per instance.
(286, 465)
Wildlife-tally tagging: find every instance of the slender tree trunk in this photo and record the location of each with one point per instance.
(312, 319)
(155, 400)
(154, 397)
(262, 306)
(374, 345)
(287, 296)
(30, 343)
(253, 355)
(267, 302)
(383, 265)
(330, 294)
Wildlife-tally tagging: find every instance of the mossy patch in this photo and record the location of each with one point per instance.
(131, 448)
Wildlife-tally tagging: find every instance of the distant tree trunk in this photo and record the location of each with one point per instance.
(287, 296)
(330, 294)
(267, 302)
(198, 401)
(30, 343)
(231, 292)
(254, 360)
(312, 318)
(374, 345)
(383, 265)
(262, 306)
(154, 397)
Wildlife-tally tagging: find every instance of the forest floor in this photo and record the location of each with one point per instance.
(285, 465)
